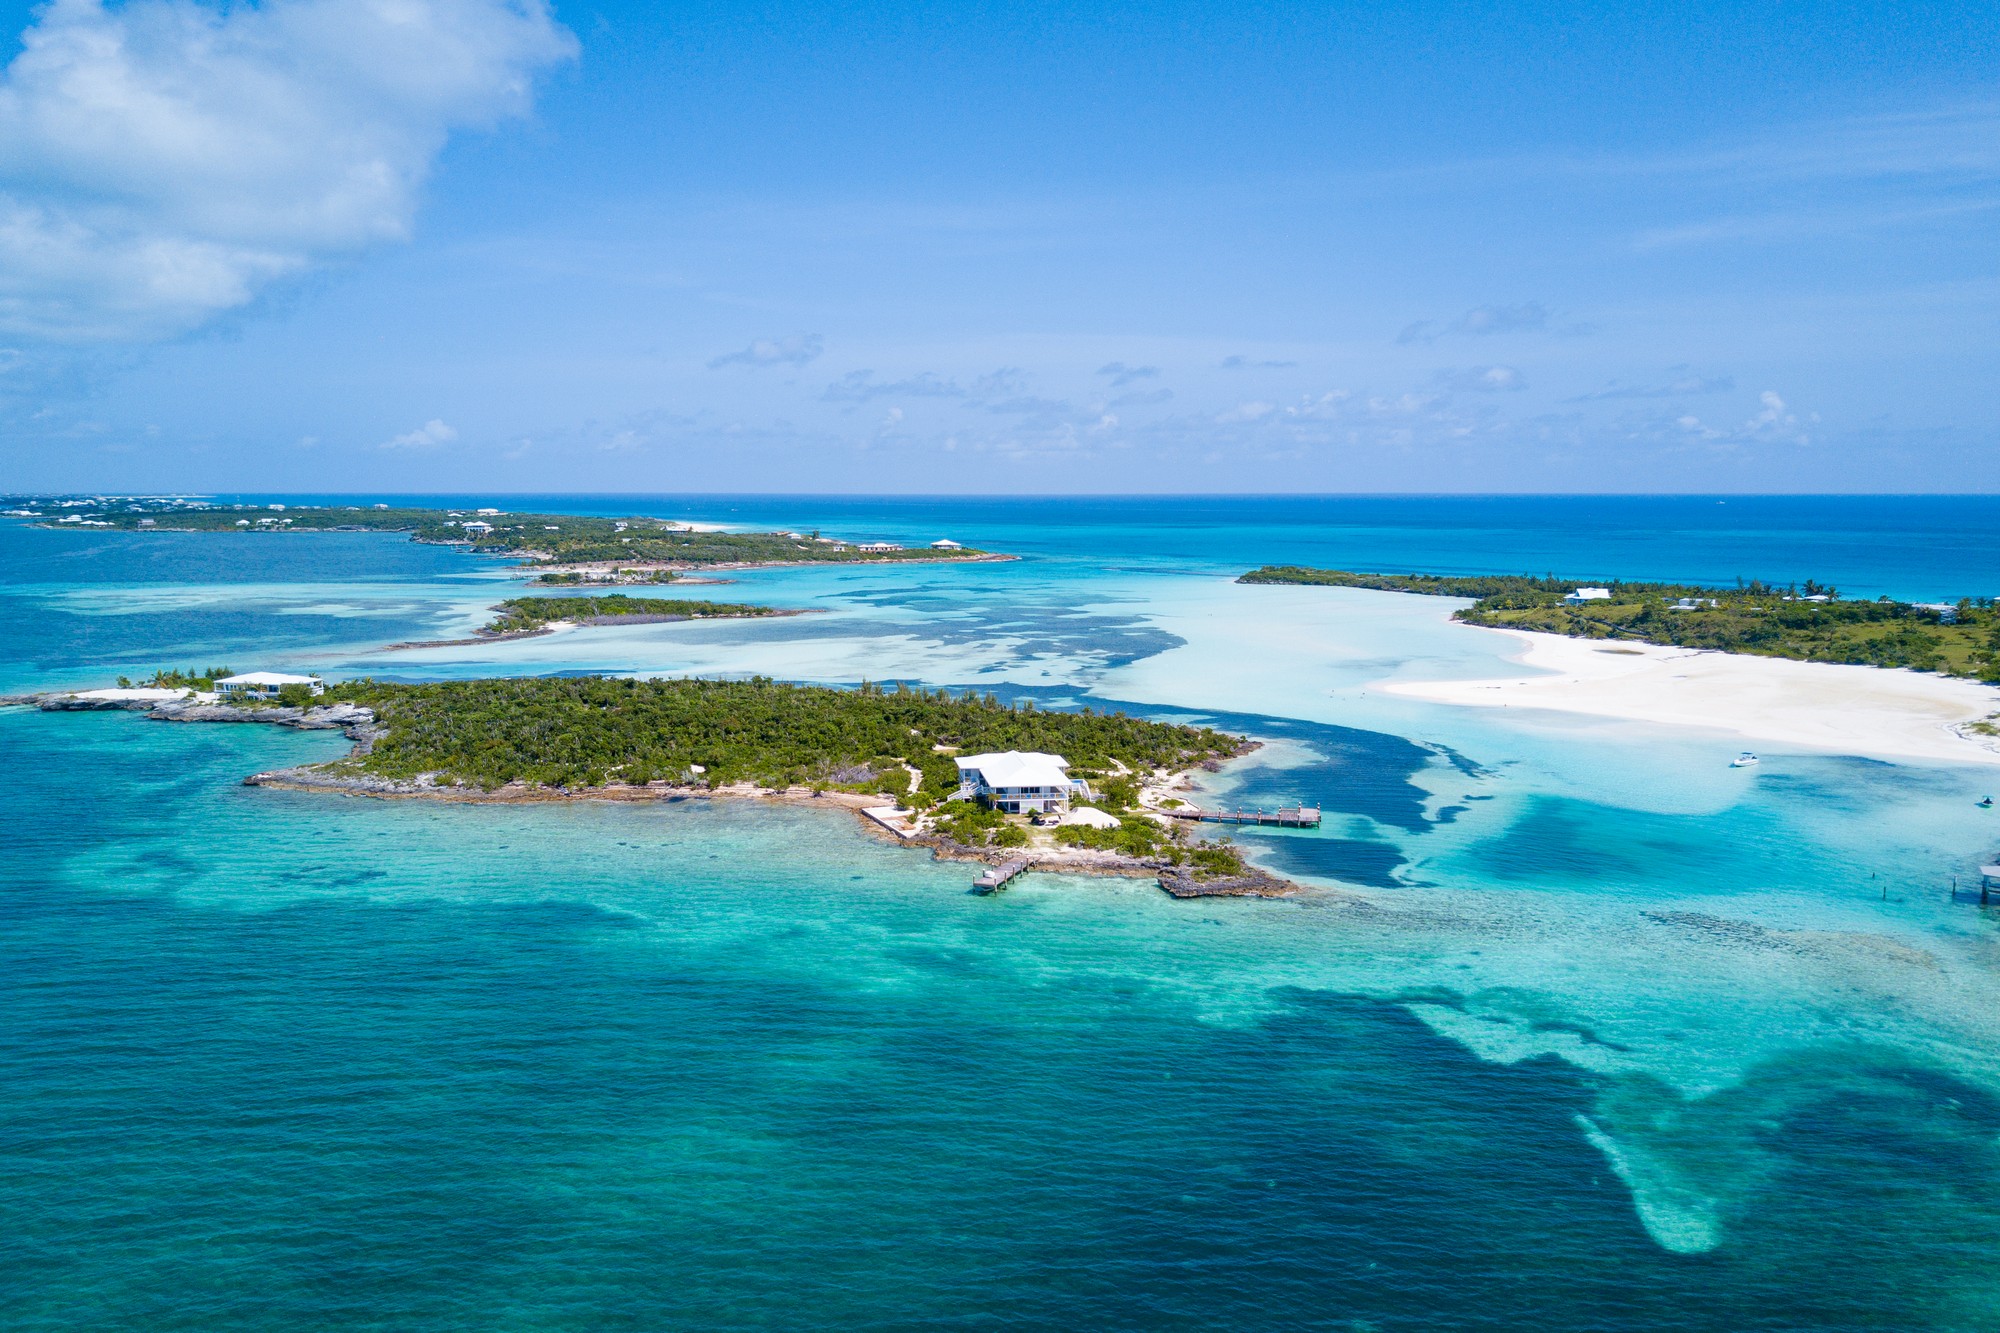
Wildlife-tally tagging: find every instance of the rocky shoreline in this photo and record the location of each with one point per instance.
(359, 725)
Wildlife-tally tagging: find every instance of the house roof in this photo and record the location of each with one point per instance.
(1018, 768)
(267, 678)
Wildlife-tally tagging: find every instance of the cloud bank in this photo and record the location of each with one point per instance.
(161, 162)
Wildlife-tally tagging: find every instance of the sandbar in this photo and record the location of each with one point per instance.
(1855, 710)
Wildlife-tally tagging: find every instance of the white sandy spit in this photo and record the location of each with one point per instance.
(1853, 710)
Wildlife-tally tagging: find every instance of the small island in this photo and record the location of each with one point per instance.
(533, 615)
(1806, 622)
(563, 547)
(904, 758)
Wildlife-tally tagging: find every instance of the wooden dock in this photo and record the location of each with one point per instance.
(1000, 876)
(1287, 816)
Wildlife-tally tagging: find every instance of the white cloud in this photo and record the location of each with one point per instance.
(427, 436)
(793, 351)
(162, 161)
(1773, 421)
(858, 386)
(1679, 387)
(1483, 379)
(1122, 374)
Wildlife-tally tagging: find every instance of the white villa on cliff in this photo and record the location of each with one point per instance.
(266, 684)
(1019, 782)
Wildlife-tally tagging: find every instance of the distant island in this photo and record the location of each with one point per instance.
(1808, 622)
(527, 615)
(530, 617)
(569, 547)
(892, 754)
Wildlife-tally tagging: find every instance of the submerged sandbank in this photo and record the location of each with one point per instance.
(1855, 710)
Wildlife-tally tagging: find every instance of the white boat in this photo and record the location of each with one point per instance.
(1744, 760)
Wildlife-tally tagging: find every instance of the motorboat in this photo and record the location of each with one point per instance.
(1744, 760)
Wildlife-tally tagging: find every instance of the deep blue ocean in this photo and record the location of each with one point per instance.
(1908, 547)
(1591, 1041)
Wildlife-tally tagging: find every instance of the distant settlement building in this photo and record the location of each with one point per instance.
(877, 548)
(266, 684)
(1019, 782)
(1587, 595)
(946, 544)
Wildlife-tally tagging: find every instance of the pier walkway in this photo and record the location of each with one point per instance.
(999, 876)
(1288, 816)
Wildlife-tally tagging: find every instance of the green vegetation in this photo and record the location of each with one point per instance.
(1808, 623)
(544, 538)
(523, 614)
(1133, 837)
(179, 679)
(572, 578)
(1216, 860)
(1434, 585)
(979, 826)
(588, 731)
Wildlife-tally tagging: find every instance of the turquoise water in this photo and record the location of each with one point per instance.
(1590, 1032)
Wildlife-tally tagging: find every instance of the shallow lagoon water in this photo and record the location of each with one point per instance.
(1591, 1031)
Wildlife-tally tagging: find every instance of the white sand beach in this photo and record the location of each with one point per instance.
(1854, 710)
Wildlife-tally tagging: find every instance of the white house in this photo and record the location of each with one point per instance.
(1019, 781)
(266, 684)
(947, 544)
(477, 528)
(877, 548)
(1587, 595)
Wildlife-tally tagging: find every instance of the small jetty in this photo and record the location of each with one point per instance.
(1000, 876)
(1286, 816)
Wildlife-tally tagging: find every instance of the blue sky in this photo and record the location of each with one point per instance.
(455, 244)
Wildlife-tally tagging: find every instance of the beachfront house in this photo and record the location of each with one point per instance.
(1581, 595)
(947, 544)
(1018, 782)
(478, 529)
(877, 548)
(265, 684)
